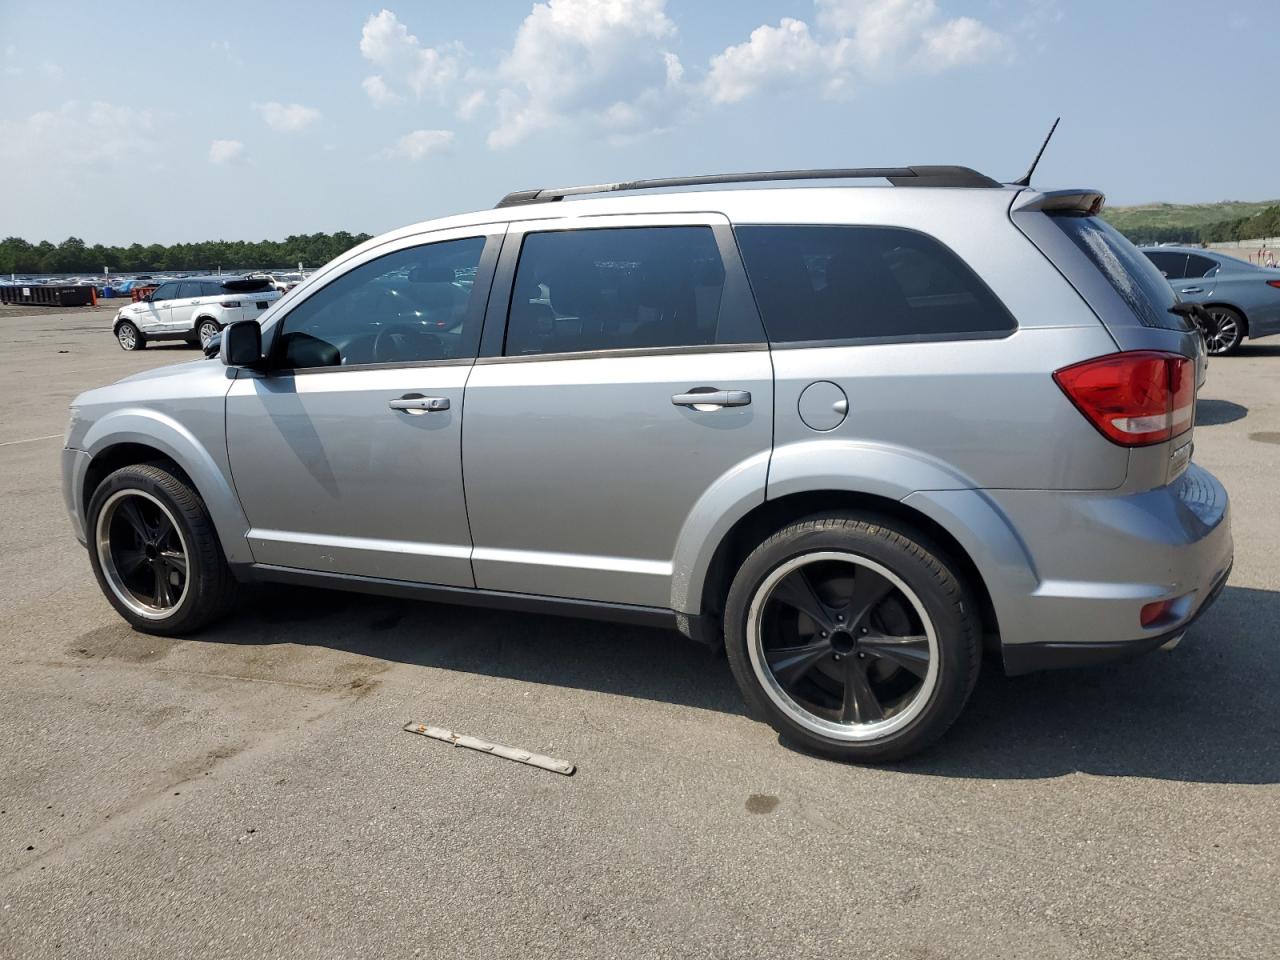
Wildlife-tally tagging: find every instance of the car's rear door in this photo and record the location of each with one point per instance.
(587, 450)
(347, 453)
(1198, 280)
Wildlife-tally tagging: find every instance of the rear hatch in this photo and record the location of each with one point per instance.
(253, 294)
(1123, 395)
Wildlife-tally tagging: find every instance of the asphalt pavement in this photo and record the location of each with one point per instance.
(250, 792)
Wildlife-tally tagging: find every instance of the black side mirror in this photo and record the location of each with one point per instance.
(241, 344)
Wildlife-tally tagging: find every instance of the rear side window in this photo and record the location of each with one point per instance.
(189, 289)
(817, 284)
(1133, 276)
(615, 289)
(1198, 266)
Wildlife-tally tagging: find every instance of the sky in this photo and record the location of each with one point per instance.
(129, 122)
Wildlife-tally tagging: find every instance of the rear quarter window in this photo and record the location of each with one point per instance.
(1135, 278)
(824, 284)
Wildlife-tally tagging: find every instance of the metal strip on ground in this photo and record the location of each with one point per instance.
(484, 746)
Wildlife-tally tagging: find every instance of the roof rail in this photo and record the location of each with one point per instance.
(898, 176)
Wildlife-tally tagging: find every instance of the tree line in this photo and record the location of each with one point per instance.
(73, 255)
(1265, 223)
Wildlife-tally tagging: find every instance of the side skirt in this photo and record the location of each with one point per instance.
(690, 625)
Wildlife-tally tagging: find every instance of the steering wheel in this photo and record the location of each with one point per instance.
(395, 342)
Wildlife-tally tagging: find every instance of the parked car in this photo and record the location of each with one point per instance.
(1240, 299)
(852, 435)
(192, 309)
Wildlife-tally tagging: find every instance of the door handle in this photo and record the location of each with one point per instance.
(710, 397)
(416, 404)
(1193, 289)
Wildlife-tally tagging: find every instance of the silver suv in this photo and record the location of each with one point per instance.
(854, 434)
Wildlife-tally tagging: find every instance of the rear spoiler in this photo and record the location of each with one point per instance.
(1087, 202)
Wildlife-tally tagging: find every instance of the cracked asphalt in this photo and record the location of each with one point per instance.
(250, 792)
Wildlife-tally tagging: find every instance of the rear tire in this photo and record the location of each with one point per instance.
(1224, 332)
(853, 637)
(155, 553)
(129, 337)
(206, 330)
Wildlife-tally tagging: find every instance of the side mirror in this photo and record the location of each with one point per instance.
(241, 344)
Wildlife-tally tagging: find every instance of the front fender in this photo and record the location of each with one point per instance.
(177, 442)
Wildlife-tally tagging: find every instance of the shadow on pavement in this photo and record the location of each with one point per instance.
(1212, 413)
(1207, 712)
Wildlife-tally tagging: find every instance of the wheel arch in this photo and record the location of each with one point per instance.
(140, 436)
(765, 519)
(1244, 316)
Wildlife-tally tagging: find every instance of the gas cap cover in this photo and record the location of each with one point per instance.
(823, 406)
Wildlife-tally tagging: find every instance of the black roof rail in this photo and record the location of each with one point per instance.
(898, 176)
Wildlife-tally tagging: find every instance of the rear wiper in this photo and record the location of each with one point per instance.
(1191, 311)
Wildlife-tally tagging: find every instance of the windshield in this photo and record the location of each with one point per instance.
(1134, 277)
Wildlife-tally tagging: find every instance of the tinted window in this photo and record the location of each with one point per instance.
(211, 288)
(1172, 265)
(411, 305)
(1198, 266)
(614, 289)
(1134, 277)
(842, 283)
(190, 289)
(166, 291)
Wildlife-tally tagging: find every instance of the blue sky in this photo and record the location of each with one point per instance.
(131, 122)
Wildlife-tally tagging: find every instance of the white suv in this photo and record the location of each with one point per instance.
(192, 309)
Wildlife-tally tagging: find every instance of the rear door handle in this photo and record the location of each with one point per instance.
(416, 404)
(1193, 289)
(710, 397)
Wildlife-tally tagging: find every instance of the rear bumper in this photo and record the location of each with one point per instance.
(1099, 558)
(1032, 657)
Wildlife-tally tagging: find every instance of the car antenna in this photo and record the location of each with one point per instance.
(1026, 181)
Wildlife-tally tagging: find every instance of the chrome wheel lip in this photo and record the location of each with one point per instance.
(200, 332)
(127, 337)
(844, 732)
(102, 543)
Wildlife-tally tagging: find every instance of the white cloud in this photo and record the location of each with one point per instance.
(378, 91)
(960, 42)
(404, 62)
(420, 143)
(593, 61)
(287, 118)
(853, 39)
(93, 135)
(225, 151)
(783, 54)
(472, 104)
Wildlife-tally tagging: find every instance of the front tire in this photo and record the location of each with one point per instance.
(853, 637)
(129, 337)
(155, 552)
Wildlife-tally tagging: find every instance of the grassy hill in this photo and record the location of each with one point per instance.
(1194, 222)
(1182, 215)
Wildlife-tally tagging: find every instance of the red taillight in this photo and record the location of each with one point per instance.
(229, 304)
(1134, 398)
(1273, 283)
(1153, 612)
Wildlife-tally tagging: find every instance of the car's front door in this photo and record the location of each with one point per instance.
(153, 313)
(346, 454)
(631, 398)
